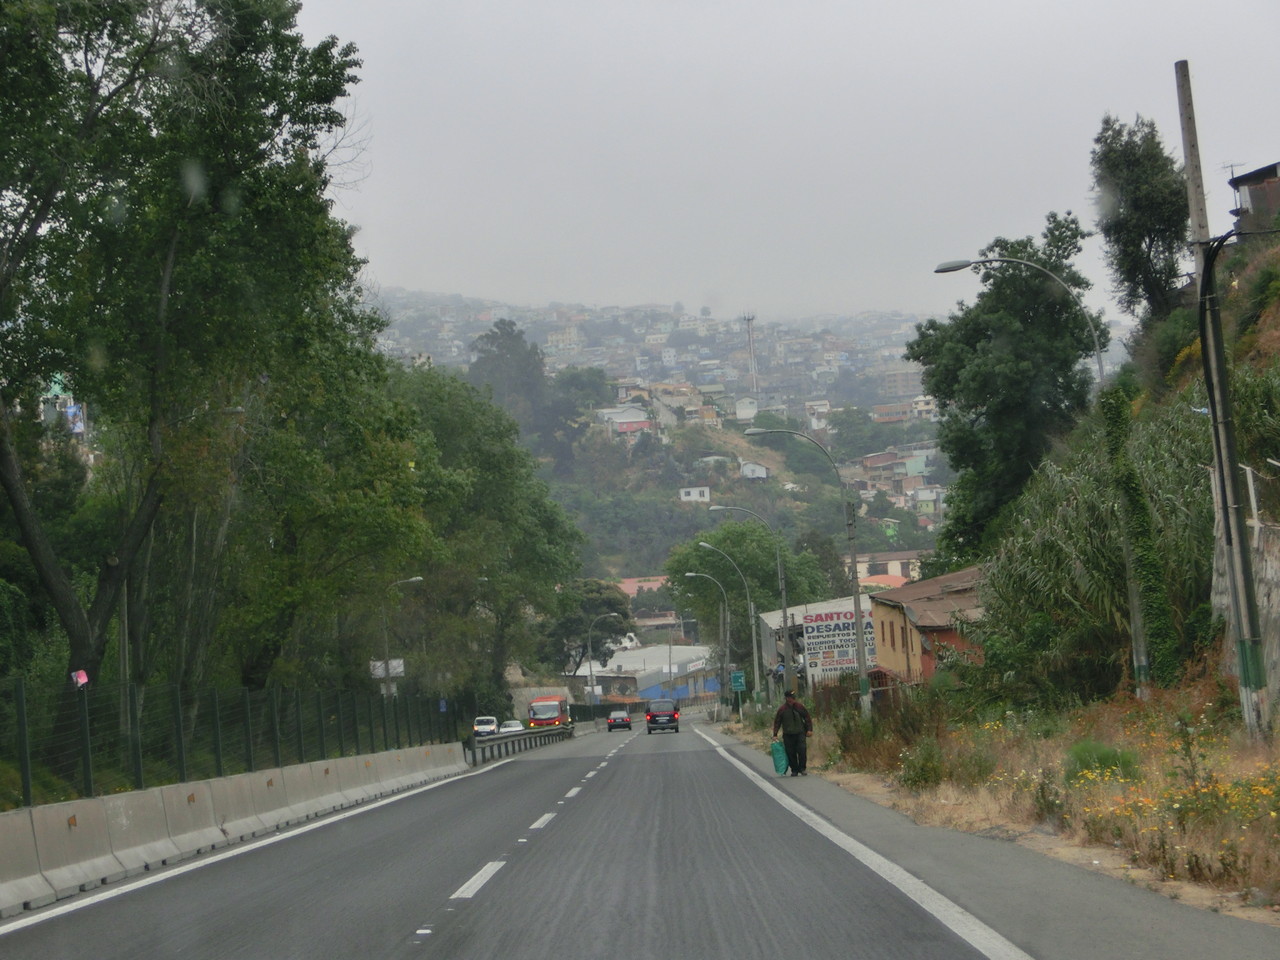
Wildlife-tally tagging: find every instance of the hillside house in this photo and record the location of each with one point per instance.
(915, 622)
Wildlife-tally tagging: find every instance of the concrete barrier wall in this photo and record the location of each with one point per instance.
(352, 779)
(237, 817)
(193, 824)
(329, 794)
(22, 885)
(269, 799)
(138, 831)
(74, 845)
(56, 850)
(301, 792)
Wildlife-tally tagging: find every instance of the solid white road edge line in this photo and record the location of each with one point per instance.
(951, 915)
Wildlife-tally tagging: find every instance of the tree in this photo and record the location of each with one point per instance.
(755, 549)
(1142, 216)
(172, 241)
(1006, 370)
(593, 613)
(513, 369)
(503, 547)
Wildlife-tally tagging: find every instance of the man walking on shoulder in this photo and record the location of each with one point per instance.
(795, 723)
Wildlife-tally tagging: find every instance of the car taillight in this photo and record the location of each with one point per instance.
(648, 716)
(676, 715)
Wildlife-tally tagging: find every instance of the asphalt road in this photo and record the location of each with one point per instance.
(631, 846)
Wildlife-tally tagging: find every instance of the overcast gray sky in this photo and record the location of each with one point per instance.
(783, 158)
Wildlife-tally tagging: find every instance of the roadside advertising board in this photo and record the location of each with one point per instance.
(829, 642)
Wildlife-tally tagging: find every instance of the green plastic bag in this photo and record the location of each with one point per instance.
(779, 758)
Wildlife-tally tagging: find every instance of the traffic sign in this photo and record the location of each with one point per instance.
(738, 680)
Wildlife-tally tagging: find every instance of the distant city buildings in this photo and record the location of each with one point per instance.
(672, 368)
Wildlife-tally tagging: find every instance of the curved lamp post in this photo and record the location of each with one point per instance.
(953, 266)
(860, 646)
(782, 587)
(751, 612)
(724, 617)
(591, 673)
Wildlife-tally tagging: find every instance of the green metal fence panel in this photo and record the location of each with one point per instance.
(60, 744)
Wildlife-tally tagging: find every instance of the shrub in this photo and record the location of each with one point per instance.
(922, 765)
(1089, 756)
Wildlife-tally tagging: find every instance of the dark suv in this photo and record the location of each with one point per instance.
(662, 715)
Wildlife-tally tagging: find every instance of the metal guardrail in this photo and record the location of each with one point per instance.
(499, 745)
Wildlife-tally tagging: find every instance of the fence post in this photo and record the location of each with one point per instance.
(297, 719)
(273, 703)
(217, 735)
(386, 727)
(86, 766)
(135, 734)
(248, 731)
(180, 745)
(342, 731)
(24, 740)
(324, 753)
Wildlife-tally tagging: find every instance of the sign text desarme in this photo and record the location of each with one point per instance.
(829, 640)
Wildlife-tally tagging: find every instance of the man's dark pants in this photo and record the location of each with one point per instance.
(797, 751)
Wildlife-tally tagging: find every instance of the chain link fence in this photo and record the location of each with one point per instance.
(97, 740)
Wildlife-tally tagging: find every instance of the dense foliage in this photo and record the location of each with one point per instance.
(269, 502)
(1142, 216)
(1007, 373)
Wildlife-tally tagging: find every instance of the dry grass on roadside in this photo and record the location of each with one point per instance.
(1171, 784)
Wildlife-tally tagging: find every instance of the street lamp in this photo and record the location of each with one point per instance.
(860, 646)
(751, 612)
(782, 586)
(388, 687)
(591, 672)
(724, 618)
(953, 266)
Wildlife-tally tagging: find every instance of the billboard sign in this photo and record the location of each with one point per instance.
(830, 640)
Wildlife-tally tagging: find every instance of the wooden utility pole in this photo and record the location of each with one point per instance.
(1229, 525)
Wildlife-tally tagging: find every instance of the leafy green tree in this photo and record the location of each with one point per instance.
(504, 547)
(822, 547)
(594, 613)
(1007, 372)
(514, 370)
(755, 550)
(854, 433)
(1142, 216)
(173, 240)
